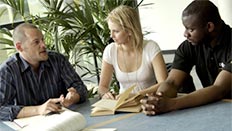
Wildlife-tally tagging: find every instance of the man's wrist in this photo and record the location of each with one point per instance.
(72, 89)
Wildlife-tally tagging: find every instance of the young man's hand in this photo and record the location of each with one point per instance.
(156, 103)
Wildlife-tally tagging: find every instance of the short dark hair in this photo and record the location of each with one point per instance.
(204, 10)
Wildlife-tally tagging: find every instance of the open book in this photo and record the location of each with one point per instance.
(66, 120)
(125, 103)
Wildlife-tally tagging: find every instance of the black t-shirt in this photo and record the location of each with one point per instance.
(208, 61)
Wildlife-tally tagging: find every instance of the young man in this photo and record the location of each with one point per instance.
(33, 81)
(208, 47)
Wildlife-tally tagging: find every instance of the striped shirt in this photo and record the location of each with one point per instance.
(20, 86)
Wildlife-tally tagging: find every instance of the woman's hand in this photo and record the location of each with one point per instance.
(109, 95)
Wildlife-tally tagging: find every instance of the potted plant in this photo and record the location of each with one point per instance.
(78, 30)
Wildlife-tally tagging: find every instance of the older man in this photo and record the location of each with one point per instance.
(33, 80)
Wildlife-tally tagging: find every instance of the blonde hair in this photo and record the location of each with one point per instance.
(128, 18)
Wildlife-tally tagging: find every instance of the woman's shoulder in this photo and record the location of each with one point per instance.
(111, 46)
(150, 44)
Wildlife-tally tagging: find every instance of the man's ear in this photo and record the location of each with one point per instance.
(210, 26)
(18, 46)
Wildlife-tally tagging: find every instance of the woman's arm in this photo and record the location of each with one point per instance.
(159, 67)
(160, 72)
(105, 80)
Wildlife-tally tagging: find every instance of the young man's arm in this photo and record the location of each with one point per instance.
(217, 91)
(161, 102)
(175, 79)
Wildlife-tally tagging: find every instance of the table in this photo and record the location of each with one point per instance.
(214, 117)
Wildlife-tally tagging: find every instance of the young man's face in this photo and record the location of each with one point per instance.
(195, 32)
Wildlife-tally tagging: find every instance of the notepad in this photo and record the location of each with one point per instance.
(65, 121)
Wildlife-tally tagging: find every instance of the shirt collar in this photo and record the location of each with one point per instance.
(24, 65)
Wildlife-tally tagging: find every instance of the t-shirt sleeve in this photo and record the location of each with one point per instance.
(184, 59)
(108, 53)
(228, 66)
(152, 48)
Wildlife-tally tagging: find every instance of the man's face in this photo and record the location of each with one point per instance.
(195, 32)
(33, 48)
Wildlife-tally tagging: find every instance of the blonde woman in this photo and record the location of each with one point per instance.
(133, 59)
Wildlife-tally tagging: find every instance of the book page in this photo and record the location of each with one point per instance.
(98, 111)
(23, 122)
(135, 109)
(113, 104)
(67, 120)
(132, 101)
(106, 104)
(12, 125)
(124, 96)
(101, 129)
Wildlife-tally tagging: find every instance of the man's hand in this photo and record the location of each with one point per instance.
(72, 97)
(156, 104)
(50, 106)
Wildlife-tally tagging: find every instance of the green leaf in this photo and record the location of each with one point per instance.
(6, 41)
(5, 32)
(76, 29)
(21, 6)
(2, 12)
(63, 23)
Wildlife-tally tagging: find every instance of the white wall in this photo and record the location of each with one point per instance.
(225, 9)
(163, 19)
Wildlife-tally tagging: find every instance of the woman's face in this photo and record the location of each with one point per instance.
(119, 35)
